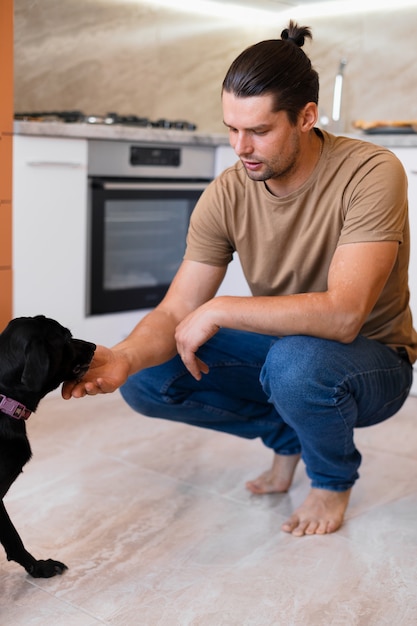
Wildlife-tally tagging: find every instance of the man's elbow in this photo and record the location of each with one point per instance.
(348, 327)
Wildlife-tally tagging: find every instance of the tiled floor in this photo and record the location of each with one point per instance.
(157, 529)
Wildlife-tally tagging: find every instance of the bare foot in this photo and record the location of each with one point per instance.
(279, 478)
(321, 513)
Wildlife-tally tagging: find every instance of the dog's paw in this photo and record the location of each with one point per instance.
(47, 569)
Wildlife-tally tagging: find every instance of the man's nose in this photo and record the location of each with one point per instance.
(242, 144)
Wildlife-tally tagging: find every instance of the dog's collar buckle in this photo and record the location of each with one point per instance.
(13, 408)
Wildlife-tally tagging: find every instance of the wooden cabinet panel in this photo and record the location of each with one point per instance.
(5, 235)
(6, 129)
(6, 66)
(5, 302)
(5, 200)
(6, 145)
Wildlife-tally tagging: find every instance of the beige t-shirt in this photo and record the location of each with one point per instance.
(357, 193)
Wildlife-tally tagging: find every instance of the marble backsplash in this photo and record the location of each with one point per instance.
(134, 58)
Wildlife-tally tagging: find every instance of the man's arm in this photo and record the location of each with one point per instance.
(356, 278)
(153, 340)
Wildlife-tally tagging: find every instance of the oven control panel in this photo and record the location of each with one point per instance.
(166, 157)
(127, 159)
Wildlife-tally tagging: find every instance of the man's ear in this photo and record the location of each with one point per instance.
(309, 116)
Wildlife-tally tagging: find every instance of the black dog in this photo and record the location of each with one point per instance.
(36, 355)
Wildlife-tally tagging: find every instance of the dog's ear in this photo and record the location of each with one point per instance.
(36, 366)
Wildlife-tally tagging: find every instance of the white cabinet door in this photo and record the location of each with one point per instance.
(49, 227)
(224, 157)
(234, 283)
(408, 157)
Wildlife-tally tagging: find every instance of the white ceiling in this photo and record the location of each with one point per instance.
(272, 5)
(251, 9)
(321, 6)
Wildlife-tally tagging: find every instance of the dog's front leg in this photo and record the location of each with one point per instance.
(16, 551)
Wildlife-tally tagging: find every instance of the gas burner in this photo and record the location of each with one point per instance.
(51, 116)
(126, 120)
(177, 124)
(70, 117)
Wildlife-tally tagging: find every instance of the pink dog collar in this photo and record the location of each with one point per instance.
(14, 408)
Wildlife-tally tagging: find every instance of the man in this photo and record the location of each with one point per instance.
(325, 343)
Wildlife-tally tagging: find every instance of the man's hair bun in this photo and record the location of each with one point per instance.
(296, 34)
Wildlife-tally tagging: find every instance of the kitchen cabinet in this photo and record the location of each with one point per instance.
(225, 156)
(49, 226)
(408, 157)
(234, 283)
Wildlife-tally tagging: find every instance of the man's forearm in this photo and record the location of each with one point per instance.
(150, 343)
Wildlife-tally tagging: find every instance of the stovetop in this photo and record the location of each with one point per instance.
(71, 117)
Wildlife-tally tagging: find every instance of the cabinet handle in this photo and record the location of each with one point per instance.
(56, 164)
(127, 186)
(413, 172)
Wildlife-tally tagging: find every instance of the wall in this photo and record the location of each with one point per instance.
(132, 58)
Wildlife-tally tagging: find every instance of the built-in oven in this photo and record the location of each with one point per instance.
(141, 197)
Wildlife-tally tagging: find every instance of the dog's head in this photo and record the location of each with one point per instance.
(37, 354)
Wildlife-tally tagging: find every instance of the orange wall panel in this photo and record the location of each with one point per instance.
(6, 65)
(6, 146)
(5, 235)
(5, 303)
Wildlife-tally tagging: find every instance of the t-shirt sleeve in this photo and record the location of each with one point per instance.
(375, 201)
(208, 239)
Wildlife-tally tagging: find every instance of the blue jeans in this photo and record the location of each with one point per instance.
(299, 394)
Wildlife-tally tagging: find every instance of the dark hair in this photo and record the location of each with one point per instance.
(278, 67)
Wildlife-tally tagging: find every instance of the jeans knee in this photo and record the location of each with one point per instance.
(293, 366)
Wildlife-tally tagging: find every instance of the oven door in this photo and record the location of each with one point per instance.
(137, 234)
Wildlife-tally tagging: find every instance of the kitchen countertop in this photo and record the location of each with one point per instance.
(389, 140)
(118, 132)
(184, 137)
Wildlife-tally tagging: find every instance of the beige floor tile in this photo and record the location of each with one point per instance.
(157, 529)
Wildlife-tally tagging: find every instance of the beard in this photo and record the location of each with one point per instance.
(264, 174)
(272, 171)
(280, 166)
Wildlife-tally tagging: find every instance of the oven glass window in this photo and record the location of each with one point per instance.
(143, 243)
(137, 243)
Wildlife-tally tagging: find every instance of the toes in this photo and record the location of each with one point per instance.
(333, 525)
(290, 525)
(305, 527)
(315, 527)
(263, 484)
(299, 527)
(254, 486)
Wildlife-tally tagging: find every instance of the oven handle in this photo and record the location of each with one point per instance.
(155, 185)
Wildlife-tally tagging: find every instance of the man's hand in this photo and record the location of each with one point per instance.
(109, 370)
(197, 328)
